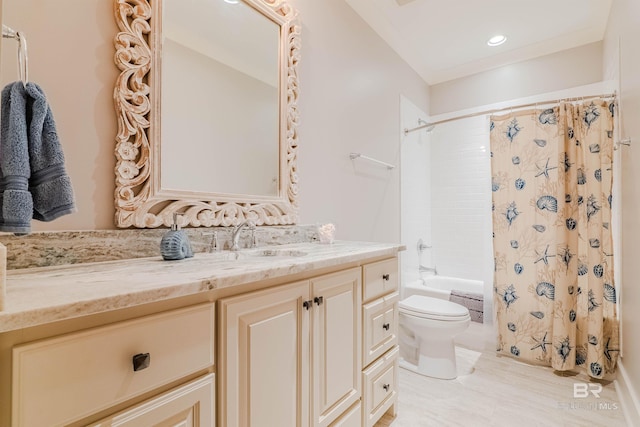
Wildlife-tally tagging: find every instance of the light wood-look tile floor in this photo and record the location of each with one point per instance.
(500, 391)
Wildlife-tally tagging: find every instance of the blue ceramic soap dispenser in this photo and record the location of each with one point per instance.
(175, 243)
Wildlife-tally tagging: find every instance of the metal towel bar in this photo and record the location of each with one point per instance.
(354, 156)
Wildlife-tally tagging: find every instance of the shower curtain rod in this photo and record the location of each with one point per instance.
(513, 107)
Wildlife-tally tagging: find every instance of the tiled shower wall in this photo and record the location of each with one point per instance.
(446, 199)
(461, 198)
(415, 192)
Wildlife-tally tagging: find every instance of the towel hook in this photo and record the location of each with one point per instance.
(23, 58)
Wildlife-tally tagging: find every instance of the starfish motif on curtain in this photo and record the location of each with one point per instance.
(544, 257)
(542, 343)
(545, 170)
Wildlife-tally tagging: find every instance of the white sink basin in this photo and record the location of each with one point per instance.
(272, 253)
(255, 253)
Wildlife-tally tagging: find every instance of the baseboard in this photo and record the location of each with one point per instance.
(628, 396)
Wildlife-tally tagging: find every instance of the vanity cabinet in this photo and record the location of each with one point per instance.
(305, 341)
(61, 380)
(291, 355)
(379, 339)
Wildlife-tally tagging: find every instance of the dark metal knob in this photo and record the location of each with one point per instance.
(386, 326)
(141, 361)
(385, 277)
(307, 304)
(318, 300)
(386, 387)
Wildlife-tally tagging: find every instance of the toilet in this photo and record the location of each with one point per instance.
(428, 326)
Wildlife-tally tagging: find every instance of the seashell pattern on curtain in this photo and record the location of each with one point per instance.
(554, 294)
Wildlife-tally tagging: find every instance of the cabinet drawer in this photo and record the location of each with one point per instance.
(380, 387)
(64, 379)
(380, 278)
(189, 405)
(380, 319)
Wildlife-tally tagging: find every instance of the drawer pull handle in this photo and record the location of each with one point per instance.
(307, 304)
(386, 326)
(385, 277)
(318, 300)
(141, 361)
(386, 387)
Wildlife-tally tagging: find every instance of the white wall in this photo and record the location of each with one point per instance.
(415, 192)
(622, 63)
(350, 84)
(229, 117)
(70, 46)
(572, 67)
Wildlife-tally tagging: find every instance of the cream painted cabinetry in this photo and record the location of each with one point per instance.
(308, 344)
(191, 405)
(351, 418)
(61, 380)
(263, 369)
(291, 355)
(379, 340)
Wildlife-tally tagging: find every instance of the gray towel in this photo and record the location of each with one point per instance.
(472, 301)
(33, 180)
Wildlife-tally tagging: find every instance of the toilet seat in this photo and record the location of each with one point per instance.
(433, 308)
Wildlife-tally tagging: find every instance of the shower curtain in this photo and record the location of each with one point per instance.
(554, 293)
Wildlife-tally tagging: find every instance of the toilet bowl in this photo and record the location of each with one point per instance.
(427, 328)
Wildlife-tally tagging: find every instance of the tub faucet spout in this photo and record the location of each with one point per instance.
(423, 269)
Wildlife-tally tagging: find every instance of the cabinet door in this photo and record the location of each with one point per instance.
(351, 418)
(264, 367)
(190, 405)
(336, 345)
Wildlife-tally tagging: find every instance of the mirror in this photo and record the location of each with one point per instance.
(229, 56)
(206, 105)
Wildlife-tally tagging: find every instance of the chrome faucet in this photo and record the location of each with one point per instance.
(235, 236)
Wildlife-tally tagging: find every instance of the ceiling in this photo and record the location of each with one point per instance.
(235, 35)
(447, 39)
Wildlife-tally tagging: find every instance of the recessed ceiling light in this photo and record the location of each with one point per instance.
(497, 40)
(232, 1)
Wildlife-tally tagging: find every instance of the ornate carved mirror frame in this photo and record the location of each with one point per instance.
(139, 199)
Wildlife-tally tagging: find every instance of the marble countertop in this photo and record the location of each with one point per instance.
(42, 295)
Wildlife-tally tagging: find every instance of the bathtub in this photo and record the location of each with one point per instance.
(441, 286)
